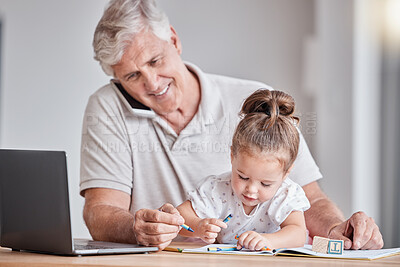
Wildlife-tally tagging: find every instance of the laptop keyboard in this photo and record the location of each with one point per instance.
(87, 245)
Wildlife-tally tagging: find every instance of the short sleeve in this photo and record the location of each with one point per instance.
(206, 198)
(106, 158)
(289, 197)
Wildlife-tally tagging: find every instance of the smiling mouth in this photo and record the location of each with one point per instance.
(163, 91)
(249, 198)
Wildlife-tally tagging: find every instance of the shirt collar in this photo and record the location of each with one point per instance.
(210, 108)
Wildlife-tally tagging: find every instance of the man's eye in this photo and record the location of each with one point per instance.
(153, 62)
(133, 75)
(243, 178)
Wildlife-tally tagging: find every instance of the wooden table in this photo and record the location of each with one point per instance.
(174, 259)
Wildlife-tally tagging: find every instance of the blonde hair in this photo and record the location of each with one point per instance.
(268, 125)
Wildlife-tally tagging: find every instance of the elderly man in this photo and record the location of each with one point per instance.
(161, 126)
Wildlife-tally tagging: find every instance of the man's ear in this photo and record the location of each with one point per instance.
(175, 40)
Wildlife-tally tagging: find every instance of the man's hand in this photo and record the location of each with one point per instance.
(209, 228)
(325, 219)
(358, 232)
(157, 227)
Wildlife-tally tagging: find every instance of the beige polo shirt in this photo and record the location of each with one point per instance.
(128, 147)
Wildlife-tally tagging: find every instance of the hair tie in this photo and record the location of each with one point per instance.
(268, 112)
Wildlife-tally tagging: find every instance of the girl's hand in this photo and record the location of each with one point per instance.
(209, 228)
(252, 240)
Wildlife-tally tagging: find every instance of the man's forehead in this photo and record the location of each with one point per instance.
(142, 49)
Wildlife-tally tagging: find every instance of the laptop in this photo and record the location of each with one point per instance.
(34, 207)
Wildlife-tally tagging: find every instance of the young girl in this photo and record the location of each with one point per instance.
(266, 206)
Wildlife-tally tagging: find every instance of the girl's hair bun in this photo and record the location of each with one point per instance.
(268, 125)
(271, 103)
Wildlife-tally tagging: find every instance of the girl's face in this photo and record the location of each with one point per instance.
(255, 179)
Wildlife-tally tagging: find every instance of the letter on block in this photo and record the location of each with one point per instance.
(335, 247)
(320, 244)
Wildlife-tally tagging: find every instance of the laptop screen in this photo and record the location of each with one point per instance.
(34, 205)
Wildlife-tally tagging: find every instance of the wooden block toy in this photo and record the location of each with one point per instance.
(320, 244)
(335, 247)
(327, 246)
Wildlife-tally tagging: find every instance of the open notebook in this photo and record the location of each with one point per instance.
(300, 252)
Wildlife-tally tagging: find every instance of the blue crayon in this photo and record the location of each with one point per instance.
(187, 227)
(227, 218)
(215, 249)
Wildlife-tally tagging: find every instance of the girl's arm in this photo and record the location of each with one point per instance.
(206, 229)
(293, 233)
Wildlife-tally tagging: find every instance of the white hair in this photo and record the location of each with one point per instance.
(122, 19)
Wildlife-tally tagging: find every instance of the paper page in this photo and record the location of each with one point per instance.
(240, 252)
(301, 251)
(348, 254)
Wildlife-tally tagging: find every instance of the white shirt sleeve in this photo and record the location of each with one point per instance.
(206, 199)
(305, 170)
(289, 197)
(106, 158)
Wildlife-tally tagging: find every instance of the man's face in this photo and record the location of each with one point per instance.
(151, 71)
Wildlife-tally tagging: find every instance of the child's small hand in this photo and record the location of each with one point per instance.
(209, 228)
(252, 240)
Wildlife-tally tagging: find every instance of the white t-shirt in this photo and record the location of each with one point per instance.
(128, 147)
(214, 198)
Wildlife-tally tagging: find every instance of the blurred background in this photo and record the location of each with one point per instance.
(340, 59)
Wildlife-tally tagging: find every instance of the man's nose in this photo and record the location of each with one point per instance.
(150, 80)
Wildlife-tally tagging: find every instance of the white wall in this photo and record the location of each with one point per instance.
(258, 39)
(335, 80)
(367, 90)
(47, 75)
(48, 71)
(348, 103)
(390, 120)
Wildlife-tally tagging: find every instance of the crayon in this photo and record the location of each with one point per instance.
(173, 249)
(187, 227)
(227, 218)
(216, 249)
(266, 249)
